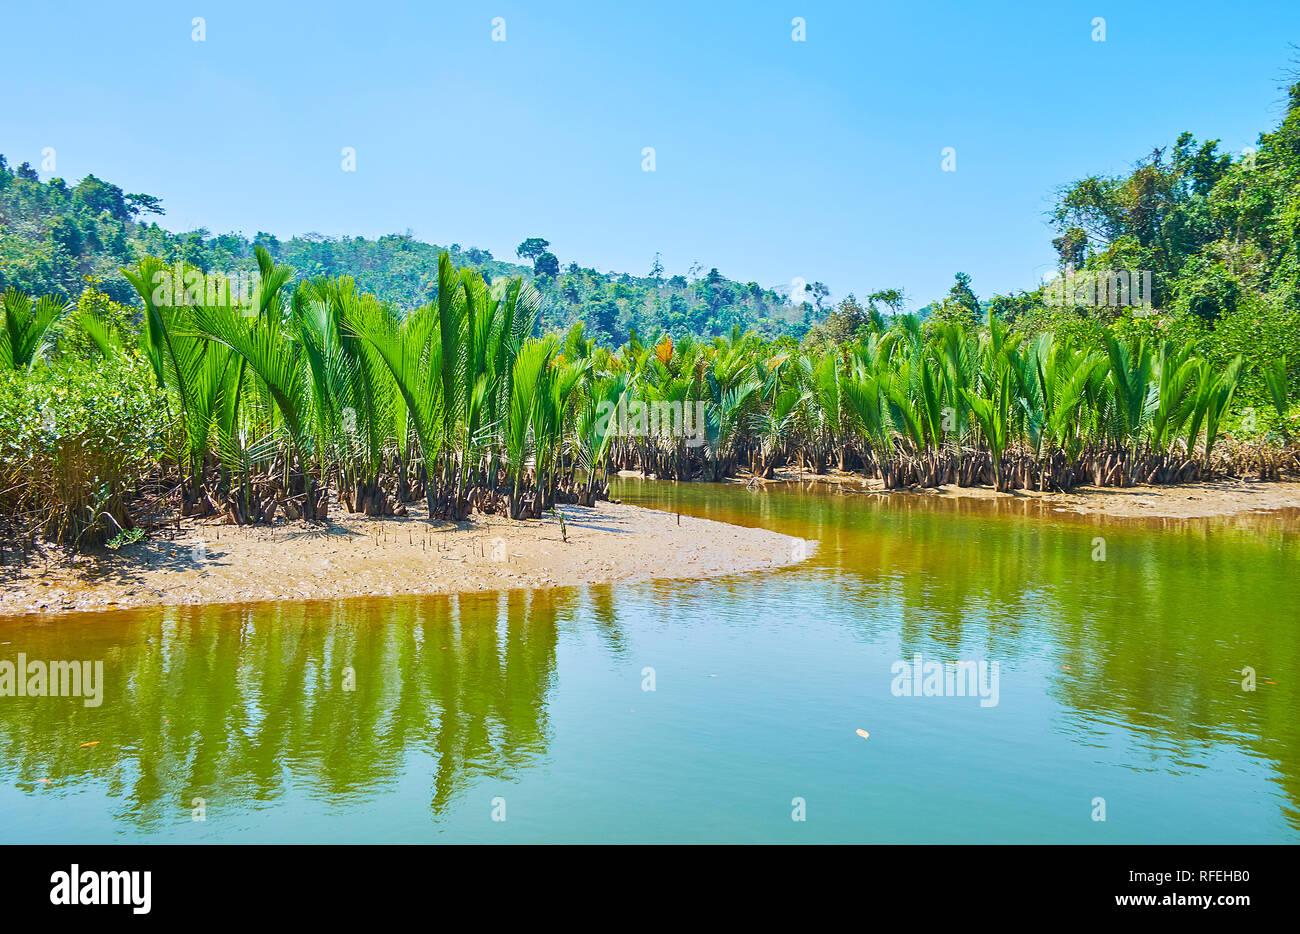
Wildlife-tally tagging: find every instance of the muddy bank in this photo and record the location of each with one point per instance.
(1181, 501)
(355, 557)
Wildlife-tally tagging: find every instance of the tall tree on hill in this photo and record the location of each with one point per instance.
(546, 265)
(961, 305)
(532, 248)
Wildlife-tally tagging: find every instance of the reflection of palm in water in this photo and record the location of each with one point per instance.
(246, 705)
(240, 705)
(1155, 636)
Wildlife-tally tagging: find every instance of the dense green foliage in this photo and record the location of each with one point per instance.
(1219, 235)
(323, 390)
(419, 376)
(305, 390)
(78, 438)
(926, 405)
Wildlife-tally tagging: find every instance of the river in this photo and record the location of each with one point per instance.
(720, 710)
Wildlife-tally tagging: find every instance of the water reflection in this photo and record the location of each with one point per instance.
(234, 703)
(1154, 637)
(1123, 674)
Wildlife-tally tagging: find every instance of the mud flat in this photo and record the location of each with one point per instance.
(356, 557)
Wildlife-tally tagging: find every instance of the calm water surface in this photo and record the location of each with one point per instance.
(1118, 679)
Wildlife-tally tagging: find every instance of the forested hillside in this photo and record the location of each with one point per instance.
(53, 235)
(1217, 234)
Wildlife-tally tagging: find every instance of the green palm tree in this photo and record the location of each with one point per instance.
(25, 327)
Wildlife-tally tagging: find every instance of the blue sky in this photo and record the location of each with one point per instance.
(774, 159)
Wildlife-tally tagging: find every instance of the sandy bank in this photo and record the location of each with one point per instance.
(1184, 501)
(355, 557)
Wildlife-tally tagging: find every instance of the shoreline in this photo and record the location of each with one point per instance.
(1205, 499)
(354, 556)
(207, 562)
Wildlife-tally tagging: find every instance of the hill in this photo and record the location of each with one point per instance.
(53, 236)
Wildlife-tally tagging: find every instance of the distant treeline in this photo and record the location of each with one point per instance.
(1216, 236)
(52, 236)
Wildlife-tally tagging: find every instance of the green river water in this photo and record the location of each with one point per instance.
(1119, 692)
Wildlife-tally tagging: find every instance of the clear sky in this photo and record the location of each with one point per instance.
(774, 158)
